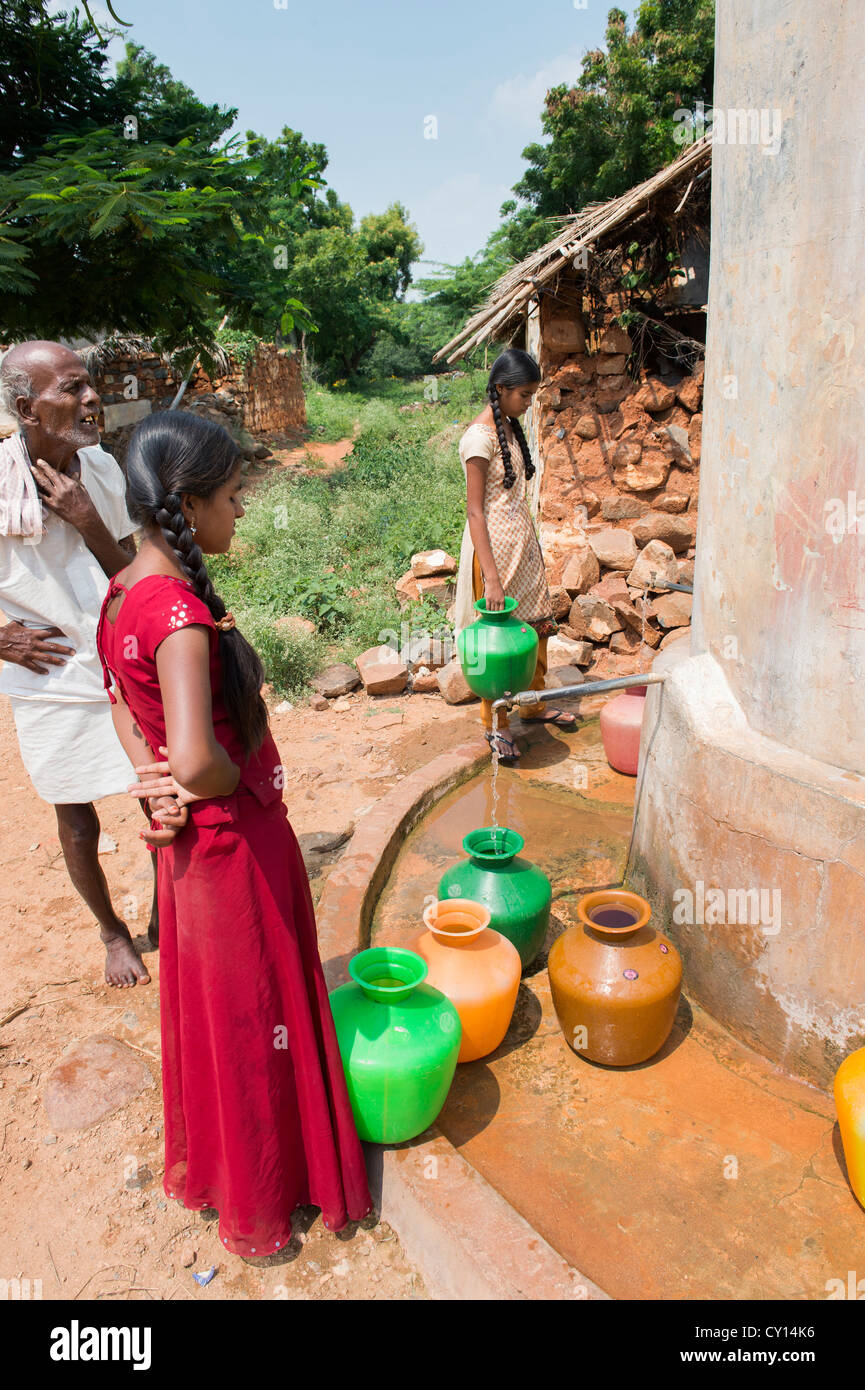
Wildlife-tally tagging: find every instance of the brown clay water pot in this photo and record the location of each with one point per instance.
(615, 980)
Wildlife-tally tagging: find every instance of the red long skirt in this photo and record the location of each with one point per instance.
(257, 1115)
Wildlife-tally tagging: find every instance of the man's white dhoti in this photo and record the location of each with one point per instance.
(71, 750)
(63, 714)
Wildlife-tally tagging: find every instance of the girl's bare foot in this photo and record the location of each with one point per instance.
(123, 965)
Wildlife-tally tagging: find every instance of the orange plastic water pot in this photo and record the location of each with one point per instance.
(615, 980)
(476, 968)
(850, 1104)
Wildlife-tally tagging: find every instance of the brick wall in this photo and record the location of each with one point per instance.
(617, 456)
(263, 398)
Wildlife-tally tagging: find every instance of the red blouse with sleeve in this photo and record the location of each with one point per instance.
(152, 609)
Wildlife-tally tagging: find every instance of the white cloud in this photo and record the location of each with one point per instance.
(517, 102)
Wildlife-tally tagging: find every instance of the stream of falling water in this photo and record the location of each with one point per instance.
(497, 837)
(495, 777)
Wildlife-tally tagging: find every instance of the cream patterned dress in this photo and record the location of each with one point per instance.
(515, 546)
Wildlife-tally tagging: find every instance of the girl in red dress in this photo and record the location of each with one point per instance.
(257, 1115)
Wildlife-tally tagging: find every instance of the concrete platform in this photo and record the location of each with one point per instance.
(704, 1173)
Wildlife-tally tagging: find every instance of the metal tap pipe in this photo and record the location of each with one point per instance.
(533, 697)
(668, 584)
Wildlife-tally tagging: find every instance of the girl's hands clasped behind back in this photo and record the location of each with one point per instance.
(167, 799)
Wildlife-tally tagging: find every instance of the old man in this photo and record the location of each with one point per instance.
(64, 530)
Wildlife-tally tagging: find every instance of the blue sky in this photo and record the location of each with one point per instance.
(362, 78)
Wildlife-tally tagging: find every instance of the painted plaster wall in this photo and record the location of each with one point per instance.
(780, 599)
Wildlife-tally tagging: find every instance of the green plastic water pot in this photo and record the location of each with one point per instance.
(516, 892)
(399, 1039)
(498, 653)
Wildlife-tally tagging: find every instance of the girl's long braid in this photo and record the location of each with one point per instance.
(510, 477)
(524, 446)
(177, 535)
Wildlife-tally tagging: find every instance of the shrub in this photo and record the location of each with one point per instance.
(291, 656)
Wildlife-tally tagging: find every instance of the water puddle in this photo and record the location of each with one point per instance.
(579, 844)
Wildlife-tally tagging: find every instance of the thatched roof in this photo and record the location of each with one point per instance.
(602, 224)
(135, 346)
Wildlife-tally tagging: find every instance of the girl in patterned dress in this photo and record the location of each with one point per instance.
(501, 554)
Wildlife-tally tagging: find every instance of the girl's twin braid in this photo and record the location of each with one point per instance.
(178, 536)
(510, 476)
(524, 446)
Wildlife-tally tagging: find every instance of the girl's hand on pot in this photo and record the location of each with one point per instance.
(495, 596)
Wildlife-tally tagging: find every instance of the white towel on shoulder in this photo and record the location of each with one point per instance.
(20, 503)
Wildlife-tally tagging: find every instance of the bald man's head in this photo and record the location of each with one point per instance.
(47, 388)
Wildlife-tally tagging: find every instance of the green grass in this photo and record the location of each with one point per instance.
(331, 547)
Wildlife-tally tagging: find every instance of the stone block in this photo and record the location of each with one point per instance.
(406, 589)
(560, 676)
(671, 502)
(561, 601)
(382, 671)
(432, 562)
(623, 508)
(452, 684)
(612, 586)
(336, 680)
(654, 396)
(689, 393)
(615, 339)
(596, 616)
(617, 550)
(611, 365)
(581, 570)
(675, 531)
(437, 587)
(566, 651)
(658, 560)
(672, 609)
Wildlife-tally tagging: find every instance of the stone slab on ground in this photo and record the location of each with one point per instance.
(336, 680)
(382, 671)
(92, 1079)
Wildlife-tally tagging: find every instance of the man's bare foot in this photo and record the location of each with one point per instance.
(123, 965)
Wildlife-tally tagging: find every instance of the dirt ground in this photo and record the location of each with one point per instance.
(83, 1210)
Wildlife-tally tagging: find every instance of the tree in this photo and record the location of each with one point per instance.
(53, 81)
(152, 229)
(122, 236)
(349, 279)
(449, 298)
(615, 127)
(166, 110)
(156, 225)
